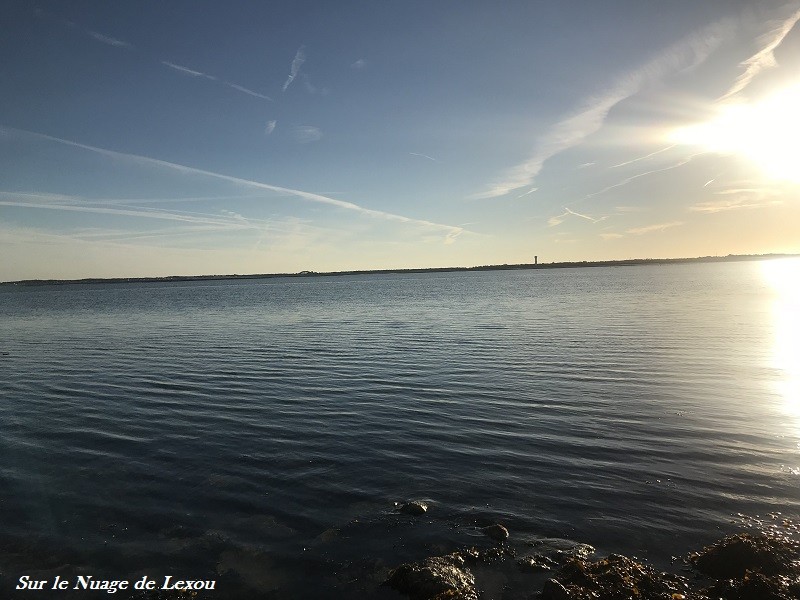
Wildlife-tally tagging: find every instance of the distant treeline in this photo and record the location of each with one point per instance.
(504, 267)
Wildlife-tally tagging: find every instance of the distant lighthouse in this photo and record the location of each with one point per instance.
(536, 260)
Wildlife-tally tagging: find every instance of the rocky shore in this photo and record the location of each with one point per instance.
(764, 565)
(480, 559)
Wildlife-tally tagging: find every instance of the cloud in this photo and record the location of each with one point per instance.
(193, 73)
(197, 218)
(241, 88)
(422, 156)
(627, 180)
(180, 68)
(573, 130)
(611, 236)
(270, 127)
(109, 40)
(312, 89)
(587, 217)
(645, 157)
(530, 191)
(558, 219)
(652, 228)
(764, 58)
(745, 198)
(247, 183)
(359, 64)
(186, 70)
(297, 62)
(450, 238)
(305, 134)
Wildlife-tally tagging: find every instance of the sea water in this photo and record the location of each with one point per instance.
(259, 432)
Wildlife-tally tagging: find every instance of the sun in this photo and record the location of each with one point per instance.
(766, 132)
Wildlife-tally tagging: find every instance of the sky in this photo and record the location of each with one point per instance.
(157, 138)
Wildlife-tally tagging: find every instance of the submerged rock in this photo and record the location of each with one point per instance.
(614, 578)
(737, 554)
(414, 508)
(435, 578)
(497, 532)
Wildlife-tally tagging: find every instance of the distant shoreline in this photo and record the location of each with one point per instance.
(503, 267)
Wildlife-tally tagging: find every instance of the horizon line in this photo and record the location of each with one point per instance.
(495, 267)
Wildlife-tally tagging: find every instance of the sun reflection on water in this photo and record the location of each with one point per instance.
(783, 276)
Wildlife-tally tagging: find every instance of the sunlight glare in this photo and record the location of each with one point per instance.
(783, 276)
(767, 132)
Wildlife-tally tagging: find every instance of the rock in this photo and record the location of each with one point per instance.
(497, 532)
(737, 554)
(537, 563)
(754, 586)
(615, 577)
(435, 578)
(553, 590)
(414, 508)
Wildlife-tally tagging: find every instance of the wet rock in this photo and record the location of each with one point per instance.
(537, 563)
(497, 532)
(754, 586)
(414, 508)
(435, 578)
(737, 554)
(614, 578)
(553, 590)
(489, 556)
(560, 550)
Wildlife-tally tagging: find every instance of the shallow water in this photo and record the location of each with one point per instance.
(258, 432)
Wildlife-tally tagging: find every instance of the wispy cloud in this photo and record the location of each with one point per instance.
(233, 86)
(764, 58)
(313, 89)
(652, 228)
(558, 219)
(645, 157)
(450, 238)
(359, 64)
(611, 236)
(226, 222)
(530, 191)
(247, 183)
(740, 198)
(297, 62)
(587, 217)
(573, 130)
(244, 90)
(423, 156)
(628, 180)
(185, 70)
(305, 134)
(270, 127)
(109, 40)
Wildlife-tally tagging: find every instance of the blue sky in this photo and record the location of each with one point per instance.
(157, 138)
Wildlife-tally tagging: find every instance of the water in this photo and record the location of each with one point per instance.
(258, 432)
